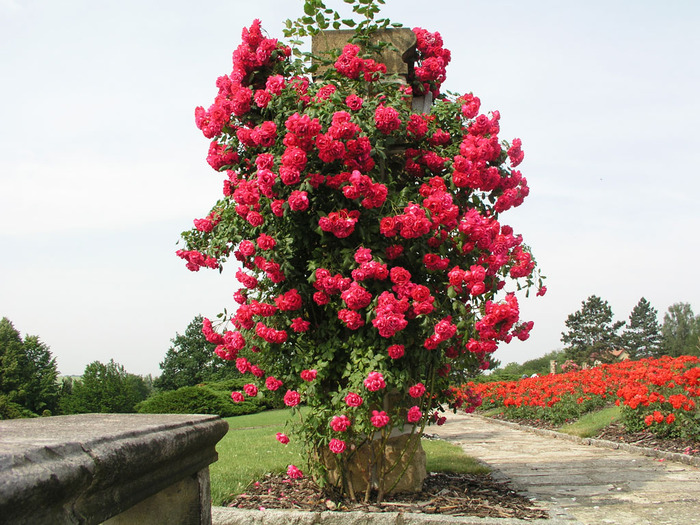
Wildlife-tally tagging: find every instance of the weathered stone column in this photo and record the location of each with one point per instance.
(397, 62)
(88, 468)
(402, 448)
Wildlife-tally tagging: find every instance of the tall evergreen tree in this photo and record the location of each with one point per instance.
(680, 331)
(641, 336)
(592, 335)
(28, 374)
(43, 388)
(191, 360)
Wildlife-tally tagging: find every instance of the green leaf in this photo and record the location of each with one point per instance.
(309, 8)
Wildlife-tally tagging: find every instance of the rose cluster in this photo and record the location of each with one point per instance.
(369, 244)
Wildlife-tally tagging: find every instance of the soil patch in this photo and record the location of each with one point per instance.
(537, 423)
(443, 493)
(617, 432)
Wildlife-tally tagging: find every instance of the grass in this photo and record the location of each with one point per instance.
(249, 451)
(268, 418)
(591, 423)
(442, 456)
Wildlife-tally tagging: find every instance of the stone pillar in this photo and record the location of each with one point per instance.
(398, 61)
(113, 468)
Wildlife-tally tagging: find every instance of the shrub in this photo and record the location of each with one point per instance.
(198, 400)
(10, 410)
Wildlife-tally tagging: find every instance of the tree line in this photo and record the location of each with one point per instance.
(30, 384)
(592, 334)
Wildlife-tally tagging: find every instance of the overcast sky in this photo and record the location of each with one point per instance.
(102, 167)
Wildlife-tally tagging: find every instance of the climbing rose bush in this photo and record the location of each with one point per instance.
(371, 256)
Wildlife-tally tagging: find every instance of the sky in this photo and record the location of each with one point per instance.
(102, 167)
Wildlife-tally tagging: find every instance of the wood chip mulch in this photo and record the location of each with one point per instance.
(443, 493)
(617, 432)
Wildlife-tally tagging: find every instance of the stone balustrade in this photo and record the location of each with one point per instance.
(108, 468)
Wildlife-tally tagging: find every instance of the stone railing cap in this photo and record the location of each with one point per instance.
(86, 468)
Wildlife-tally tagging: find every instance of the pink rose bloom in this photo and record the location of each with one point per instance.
(243, 365)
(299, 325)
(272, 384)
(414, 414)
(237, 397)
(250, 390)
(321, 298)
(387, 119)
(340, 423)
(515, 153)
(240, 298)
(298, 201)
(363, 255)
(374, 381)
(294, 158)
(282, 438)
(351, 318)
(337, 446)
(392, 252)
(541, 291)
(379, 419)
(277, 207)
(262, 98)
(353, 400)
(265, 242)
(204, 225)
(308, 375)
(417, 390)
(292, 398)
(354, 102)
(356, 297)
(395, 351)
(399, 275)
(294, 473)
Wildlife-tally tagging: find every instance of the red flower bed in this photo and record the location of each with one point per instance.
(661, 394)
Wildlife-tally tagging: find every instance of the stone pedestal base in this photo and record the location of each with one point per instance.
(410, 467)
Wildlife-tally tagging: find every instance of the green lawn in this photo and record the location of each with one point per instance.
(588, 425)
(249, 451)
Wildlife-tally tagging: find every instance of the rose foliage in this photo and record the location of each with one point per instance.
(372, 257)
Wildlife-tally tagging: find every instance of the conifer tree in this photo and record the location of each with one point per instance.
(191, 360)
(28, 374)
(642, 335)
(592, 335)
